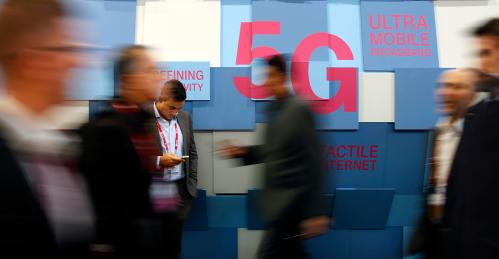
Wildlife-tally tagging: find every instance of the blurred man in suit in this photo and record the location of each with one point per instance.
(455, 94)
(45, 211)
(178, 181)
(293, 173)
(119, 157)
(471, 212)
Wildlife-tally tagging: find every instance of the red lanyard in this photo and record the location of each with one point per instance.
(164, 138)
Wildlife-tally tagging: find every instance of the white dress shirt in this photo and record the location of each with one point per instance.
(169, 129)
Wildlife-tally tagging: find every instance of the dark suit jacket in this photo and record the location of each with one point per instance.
(117, 179)
(293, 168)
(472, 211)
(24, 227)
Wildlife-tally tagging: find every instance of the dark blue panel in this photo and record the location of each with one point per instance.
(375, 244)
(227, 211)
(255, 220)
(362, 208)
(415, 100)
(198, 216)
(227, 109)
(405, 164)
(370, 167)
(406, 210)
(214, 243)
(298, 20)
(408, 234)
(390, 159)
(331, 245)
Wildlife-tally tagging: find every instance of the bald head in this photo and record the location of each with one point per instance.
(456, 91)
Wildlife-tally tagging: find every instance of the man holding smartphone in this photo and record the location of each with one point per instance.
(174, 188)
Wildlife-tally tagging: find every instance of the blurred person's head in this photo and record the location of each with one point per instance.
(456, 92)
(488, 42)
(136, 75)
(36, 52)
(171, 99)
(276, 76)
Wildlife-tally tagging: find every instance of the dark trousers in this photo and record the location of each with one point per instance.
(173, 224)
(282, 241)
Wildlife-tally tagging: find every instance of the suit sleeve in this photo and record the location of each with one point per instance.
(314, 204)
(193, 154)
(254, 155)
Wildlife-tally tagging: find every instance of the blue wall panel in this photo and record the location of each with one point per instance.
(415, 100)
(227, 109)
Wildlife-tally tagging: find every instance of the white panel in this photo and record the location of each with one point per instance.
(204, 145)
(454, 20)
(229, 175)
(183, 30)
(70, 115)
(376, 97)
(139, 22)
(248, 242)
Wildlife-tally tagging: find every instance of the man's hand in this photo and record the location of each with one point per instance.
(170, 160)
(227, 150)
(314, 226)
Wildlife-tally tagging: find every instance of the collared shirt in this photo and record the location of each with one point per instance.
(446, 144)
(169, 129)
(43, 155)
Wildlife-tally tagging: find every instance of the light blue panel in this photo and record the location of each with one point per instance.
(233, 13)
(362, 208)
(226, 211)
(415, 24)
(408, 233)
(415, 100)
(227, 109)
(369, 174)
(338, 120)
(194, 75)
(317, 73)
(406, 210)
(375, 244)
(112, 24)
(298, 20)
(332, 245)
(405, 165)
(214, 243)
(340, 13)
(198, 215)
(261, 111)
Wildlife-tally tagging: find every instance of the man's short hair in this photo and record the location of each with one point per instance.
(278, 62)
(173, 89)
(490, 28)
(125, 63)
(19, 18)
(127, 57)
